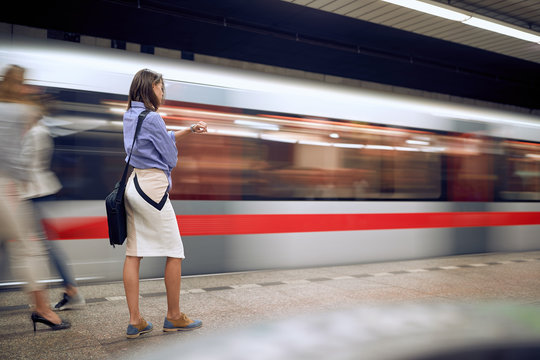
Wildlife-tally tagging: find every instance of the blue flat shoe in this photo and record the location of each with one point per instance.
(182, 324)
(133, 331)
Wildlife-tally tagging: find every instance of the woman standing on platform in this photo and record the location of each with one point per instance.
(152, 229)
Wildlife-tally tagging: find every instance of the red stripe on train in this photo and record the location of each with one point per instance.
(197, 225)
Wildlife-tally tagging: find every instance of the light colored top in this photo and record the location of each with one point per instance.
(38, 148)
(14, 117)
(155, 147)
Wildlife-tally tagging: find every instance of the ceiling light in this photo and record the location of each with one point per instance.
(316, 143)
(468, 18)
(417, 142)
(405, 148)
(433, 149)
(379, 147)
(437, 10)
(491, 25)
(278, 138)
(237, 133)
(349, 146)
(257, 125)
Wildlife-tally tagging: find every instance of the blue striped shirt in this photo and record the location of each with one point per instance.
(154, 147)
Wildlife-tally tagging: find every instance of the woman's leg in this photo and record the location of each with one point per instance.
(131, 287)
(58, 260)
(28, 257)
(175, 320)
(173, 274)
(56, 255)
(42, 307)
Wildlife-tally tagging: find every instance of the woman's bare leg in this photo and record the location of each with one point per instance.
(131, 287)
(173, 275)
(42, 307)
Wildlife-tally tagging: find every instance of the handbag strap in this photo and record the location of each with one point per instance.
(142, 115)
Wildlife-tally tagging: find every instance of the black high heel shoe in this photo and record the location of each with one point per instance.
(38, 318)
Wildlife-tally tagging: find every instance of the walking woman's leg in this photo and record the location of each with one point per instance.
(56, 255)
(173, 274)
(42, 306)
(131, 287)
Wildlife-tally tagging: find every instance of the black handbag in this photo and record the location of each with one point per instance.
(114, 202)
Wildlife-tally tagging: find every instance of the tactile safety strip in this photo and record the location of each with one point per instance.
(321, 279)
(299, 281)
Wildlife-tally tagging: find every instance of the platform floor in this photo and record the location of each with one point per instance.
(228, 303)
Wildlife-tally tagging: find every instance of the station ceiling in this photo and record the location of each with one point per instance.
(523, 14)
(368, 40)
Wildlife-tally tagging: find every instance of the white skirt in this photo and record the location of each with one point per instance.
(152, 229)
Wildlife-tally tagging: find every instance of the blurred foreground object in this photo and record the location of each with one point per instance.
(392, 332)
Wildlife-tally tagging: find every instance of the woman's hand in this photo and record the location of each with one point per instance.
(199, 127)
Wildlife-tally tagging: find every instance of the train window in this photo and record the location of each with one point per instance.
(520, 173)
(470, 167)
(268, 156)
(89, 155)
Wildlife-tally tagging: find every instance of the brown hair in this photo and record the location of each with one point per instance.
(141, 89)
(11, 85)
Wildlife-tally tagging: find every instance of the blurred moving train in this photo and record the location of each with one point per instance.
(293, 173)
